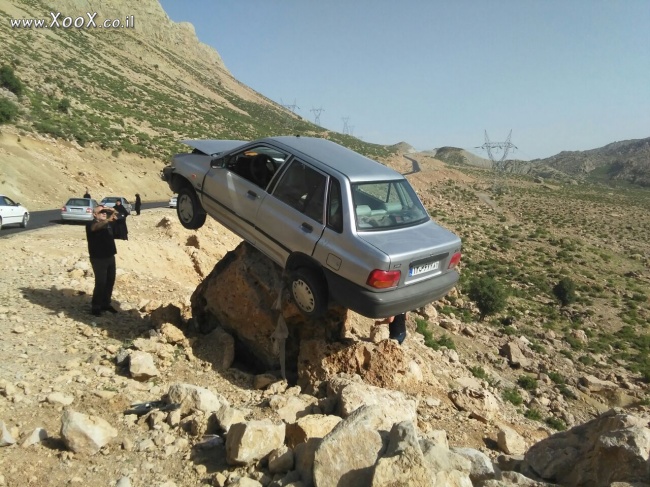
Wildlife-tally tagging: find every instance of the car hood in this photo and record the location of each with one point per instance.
(213, 146)
(406, 245)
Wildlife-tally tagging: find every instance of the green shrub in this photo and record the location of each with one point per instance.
(9, 80)
(512, 395)
(565, 291)
(488, 294)
(64, 105)
(556, 423)
(527, 382)
(8, 111)
(556, 377)
(533, 414)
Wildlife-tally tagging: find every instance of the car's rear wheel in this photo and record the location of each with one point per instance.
(309, 291)
(189, 210)
(23, 224)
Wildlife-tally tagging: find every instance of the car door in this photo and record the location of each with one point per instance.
(10, 212)
(233, 188)
(232, 200)
(291, 218)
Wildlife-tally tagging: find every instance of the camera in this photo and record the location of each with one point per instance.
(107, 211)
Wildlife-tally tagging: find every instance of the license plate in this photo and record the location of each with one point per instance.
(421, 269)
(77, 210)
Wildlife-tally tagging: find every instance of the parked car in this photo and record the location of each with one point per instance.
(110, 201)
(12, 213)
(342, 226)
(172, 201)
(78, 210)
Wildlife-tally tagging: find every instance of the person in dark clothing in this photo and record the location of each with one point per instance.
(102, 250)
(119, 226)
(86, 194)
(396, 327)
(138, 204)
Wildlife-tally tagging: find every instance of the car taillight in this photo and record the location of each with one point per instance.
(383, 279)
(63, 209)
(455, 259)
(89, 210)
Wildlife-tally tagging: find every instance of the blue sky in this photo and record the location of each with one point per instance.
(561, 74)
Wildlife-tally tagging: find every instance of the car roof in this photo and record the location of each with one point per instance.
(346, 161)
(214, 146)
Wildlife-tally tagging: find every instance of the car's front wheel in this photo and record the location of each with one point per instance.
(23, 224)
(189, 210)
(309, 291)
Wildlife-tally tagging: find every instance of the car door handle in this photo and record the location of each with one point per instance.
(307, 227)
(252, 193)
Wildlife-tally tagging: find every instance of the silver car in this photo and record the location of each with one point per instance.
(109, 201)
(78, 210)
(343, 227)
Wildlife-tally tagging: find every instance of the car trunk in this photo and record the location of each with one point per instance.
(422, 252)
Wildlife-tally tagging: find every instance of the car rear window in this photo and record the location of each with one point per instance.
(78, 202)
(386, 205)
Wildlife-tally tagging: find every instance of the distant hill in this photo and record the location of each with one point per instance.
(626, 161)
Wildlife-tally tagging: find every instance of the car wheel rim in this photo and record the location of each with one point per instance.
(185, 208)
(303, 295)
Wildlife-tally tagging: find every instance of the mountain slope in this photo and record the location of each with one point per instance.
(627, 160)
(134, 89)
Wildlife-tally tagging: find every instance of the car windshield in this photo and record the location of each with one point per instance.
(386, 205)
(110, 199)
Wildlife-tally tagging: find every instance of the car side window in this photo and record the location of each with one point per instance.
(334, 207)
(2, 201)
(8, 202)
(256, 164)
(303, 188)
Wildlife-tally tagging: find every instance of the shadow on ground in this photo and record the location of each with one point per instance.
(123, 326)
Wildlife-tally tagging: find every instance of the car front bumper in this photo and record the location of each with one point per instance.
(389, 303)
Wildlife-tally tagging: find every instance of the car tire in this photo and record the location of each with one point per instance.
(0, 223)
(23, 224)
(309, 291)
(190, 212)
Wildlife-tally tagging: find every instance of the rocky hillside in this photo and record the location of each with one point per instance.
(625, 161)
(127, 92)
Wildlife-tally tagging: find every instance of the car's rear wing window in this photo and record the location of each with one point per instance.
(386, 205)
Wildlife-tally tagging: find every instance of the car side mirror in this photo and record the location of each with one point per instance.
(217, 162)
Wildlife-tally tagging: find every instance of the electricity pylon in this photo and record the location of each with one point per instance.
(498, 165)
(317, 112)
(346, 129)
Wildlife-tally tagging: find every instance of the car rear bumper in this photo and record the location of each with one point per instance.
(389, 303)
(77, 217)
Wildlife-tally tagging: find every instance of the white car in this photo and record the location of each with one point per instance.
(172, 201)
(12, 213)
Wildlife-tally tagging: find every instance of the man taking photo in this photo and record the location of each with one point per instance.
(102, 250)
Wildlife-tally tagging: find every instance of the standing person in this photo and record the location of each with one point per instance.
(138, 204)
(102, 250)
(119, 227)
(396, 327)
(86, 194)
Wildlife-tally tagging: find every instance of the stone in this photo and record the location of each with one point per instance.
(253, 440)
(85, 434)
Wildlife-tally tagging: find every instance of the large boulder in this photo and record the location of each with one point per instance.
(614, 447)
(239, 295)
